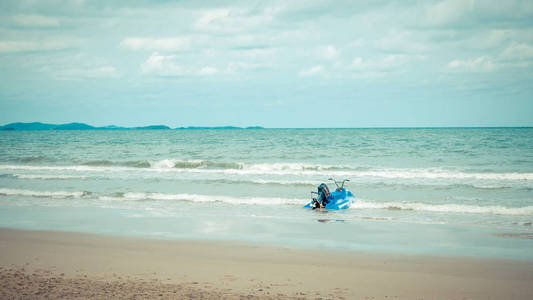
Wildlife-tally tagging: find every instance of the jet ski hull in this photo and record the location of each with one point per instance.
(337, 200)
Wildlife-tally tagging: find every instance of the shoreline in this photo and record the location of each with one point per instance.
(213, 269)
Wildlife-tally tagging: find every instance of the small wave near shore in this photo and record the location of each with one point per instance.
(297, 169)
(359, 203)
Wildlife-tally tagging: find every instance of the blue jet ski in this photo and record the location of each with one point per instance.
(339, 199)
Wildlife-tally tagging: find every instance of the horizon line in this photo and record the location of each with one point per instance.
(262, 127)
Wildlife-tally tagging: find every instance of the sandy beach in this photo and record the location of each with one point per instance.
(44, 264)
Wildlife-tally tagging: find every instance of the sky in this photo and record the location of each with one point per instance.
(267, 63)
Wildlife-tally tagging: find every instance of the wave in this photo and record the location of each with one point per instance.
(259, 181)
(202, 198)
(296, 169)
(30, 193)
(437, 174)
(131, 164)
(146, 196)
(45, 176)
(62, 168)
(167, 164)
(32, 159)
(445, 208)
(490, 187)
(265, 181)
(260, 167)
(380, 184)
(207, 164)
(358, 204)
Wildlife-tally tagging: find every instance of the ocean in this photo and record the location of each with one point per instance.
(436, 191)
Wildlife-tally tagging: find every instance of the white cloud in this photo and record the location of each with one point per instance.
(209, 52)
(34, 21)
(77, 74)
(208, 71)
(150, 44)
(234, 67)
(480, 64)
(518, 51)
(488, 40)
(312, 71)
(330, 52)
(385, 63)
(274, 103)
(27, 46)
(104, 71)
(448, 11)
(257, 53)
(232, 20)
(73, 66)
(402, 42)
(357, 62)
(377, 67)
(211, 18)
(162, 65)
(166, 66)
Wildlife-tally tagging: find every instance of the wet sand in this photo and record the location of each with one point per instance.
(44, 264)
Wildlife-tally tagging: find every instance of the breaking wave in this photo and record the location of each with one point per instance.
(167, 164)
(30, 193)
(45, 176)
(297, 169)
(445, 208)
(201, 198)
(358, 204)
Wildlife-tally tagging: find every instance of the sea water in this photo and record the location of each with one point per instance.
(431, 191)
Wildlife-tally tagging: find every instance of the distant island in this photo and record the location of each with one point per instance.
(83, 126)
(220, 127)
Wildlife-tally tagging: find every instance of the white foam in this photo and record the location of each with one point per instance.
(203, 198)
(261, 167)
(358, 204)
(30, 193)
(438, 174)
(290, 169)
(45, 176)
(80, 168)
(388, 174)
(490, 187)
(163, 164)
(283, 182)
(452, 208)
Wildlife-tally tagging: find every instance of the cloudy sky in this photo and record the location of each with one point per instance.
(268, 63)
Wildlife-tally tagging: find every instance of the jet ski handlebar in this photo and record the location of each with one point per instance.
(337, 182)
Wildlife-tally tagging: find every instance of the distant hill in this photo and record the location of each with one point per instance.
(28, 126)
(73, 126)
(70, 126)
(153, 127)
(112, 127)
(83, 126)
(220, 127)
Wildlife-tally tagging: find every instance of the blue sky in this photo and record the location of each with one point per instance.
(268, 63)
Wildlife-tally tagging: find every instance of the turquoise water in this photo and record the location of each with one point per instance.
(434, 191)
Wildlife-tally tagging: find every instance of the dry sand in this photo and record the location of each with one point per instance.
(44, 264)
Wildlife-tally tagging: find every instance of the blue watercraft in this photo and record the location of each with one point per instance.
(341, 198)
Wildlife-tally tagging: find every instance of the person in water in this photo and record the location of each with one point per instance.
(322, 198)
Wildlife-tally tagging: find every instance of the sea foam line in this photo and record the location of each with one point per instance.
(31, 193)
(275, 169)
(445, 208)
(358, 204)
(139, 196)
(259, 181)
(46, 176)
